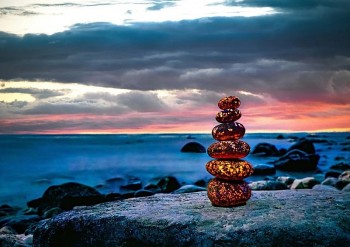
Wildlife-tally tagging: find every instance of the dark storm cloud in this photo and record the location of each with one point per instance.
(290, 54)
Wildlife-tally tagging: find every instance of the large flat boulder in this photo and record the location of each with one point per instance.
(270, 218)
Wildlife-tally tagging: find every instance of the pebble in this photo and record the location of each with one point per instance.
(229, 102)
(228, 131)
(229, 149)
(227, 116)
(230, 169)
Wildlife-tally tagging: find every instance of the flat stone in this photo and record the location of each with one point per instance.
(270, 218)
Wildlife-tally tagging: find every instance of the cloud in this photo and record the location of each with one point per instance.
(161, 5)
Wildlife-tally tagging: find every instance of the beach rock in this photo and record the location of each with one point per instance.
(229, 149)
(189, 189)
(332, 173)
(16, 240)
(288, 181)
(346, 188)
(152, 187)
(280, 137)
(142, 193)
(265, 149)
(113, 197)
(345, 176)
(321, 187)
(228, 131)
(263, 169)
(70, 194)
(340, 166)
(304, 145)
(296, 160)
(7, 210)
(270, 218)
(193, 147)
(267, 185)
(19, 222)
(282, 151)
(167, 184)
(133, 183)
(7, 230)
(228, 116)
(52, 212)
(330, 181)
(304, 183)
(201, 183)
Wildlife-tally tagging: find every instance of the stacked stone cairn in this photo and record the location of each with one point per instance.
(228, 189)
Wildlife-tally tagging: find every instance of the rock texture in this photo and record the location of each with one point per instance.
(270, 218)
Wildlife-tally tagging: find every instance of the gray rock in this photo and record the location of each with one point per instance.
(340, 166)
(263, 169)
(189, 189)
(345, 176)
(297, 160)
(265, 149)
(322, 187)
(330, 182)
(304, 183)
(346, 188)
(285, 180)
(303, 145)
(270, 218)
(267, 185)
(11, 240)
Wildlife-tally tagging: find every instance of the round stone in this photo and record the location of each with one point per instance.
(228, 149)
(230, 169)
(228, 131)
(229, 102)
(228, 115)
(224, 193)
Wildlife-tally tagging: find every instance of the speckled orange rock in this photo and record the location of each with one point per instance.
(228, 149)
(230, 169)
(228, 131)
(229, 102)
(225, 193)
(228, 116)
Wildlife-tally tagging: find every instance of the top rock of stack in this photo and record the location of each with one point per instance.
(230, 102)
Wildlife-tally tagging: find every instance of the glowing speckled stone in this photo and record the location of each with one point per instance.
(229, 149)
(227, 193)
(230, 169)
(228, 116)
(228, 131)
(230, 102)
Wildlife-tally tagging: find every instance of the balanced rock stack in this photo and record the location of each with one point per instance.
(228, 189)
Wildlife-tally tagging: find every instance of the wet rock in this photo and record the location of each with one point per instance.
(267, 185)
(296, 160)
(263, 169)
(67, 195)
(330, 181)
(164, 184)
(265, 149)
(193, 147)
(7, 210)
(133, 183)
(113, 197)
(201, 183)
(141, 193)
(345, 176)
(19, 222)
(304, 145)
(52, 212)
(340, 166)
(13, 240)
(332, 173)
(288, 181)
(280, 137)
(304, 183)
(189, 189)
(280, 218)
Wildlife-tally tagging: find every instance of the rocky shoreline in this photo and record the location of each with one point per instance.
(17, 225)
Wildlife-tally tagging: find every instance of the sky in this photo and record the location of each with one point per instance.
(137, 66)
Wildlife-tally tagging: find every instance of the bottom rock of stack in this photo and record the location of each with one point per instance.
(228, 193)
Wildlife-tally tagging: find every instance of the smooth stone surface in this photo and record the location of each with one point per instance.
(228, 116)
(193, 147)
(229, 102)
(304, 183)
(228, 131)
(297, 160)
(270, 218)
(304, 145)
(230, 169)
(265, 149)
(189, 188)
(225, 193)
(268, 185)
(321, 187)
(229, 149)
